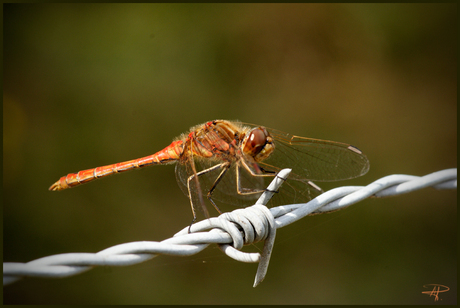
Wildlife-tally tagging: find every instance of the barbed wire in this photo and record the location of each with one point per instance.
(231, 231)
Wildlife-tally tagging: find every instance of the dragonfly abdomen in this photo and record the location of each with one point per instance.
(169, 154)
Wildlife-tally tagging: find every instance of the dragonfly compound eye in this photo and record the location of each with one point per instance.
(258, 144)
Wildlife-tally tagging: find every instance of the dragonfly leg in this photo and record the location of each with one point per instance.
(264, 172)
(224, 167)
(197, 183)
(316, 187)
(193, 221)
(193, 177)
(244, 190)
(267, 171)
(248, 191)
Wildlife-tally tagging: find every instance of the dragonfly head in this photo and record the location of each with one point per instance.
(258, 144)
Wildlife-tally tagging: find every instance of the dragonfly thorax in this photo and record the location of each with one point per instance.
(258, 144)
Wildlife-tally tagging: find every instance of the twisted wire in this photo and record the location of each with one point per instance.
(230, 230)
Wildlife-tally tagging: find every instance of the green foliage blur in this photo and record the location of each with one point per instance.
(86, 85)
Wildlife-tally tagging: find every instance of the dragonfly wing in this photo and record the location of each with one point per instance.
(182, 175)
(295, 190)
(226, 190)
(317, 160)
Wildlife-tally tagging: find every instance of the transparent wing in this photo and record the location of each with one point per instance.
(310, 160)
(316, 160)
(294, 190)
(226, 190)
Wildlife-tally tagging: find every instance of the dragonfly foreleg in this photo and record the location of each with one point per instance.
(248, 191)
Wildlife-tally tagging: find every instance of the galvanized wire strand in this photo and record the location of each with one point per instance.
(341, 197)
(230, 230)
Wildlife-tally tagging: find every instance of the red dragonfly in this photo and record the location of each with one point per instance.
(233, 162)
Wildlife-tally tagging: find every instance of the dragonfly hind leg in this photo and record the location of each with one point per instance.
(225, 167)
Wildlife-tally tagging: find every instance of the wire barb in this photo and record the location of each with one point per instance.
(255, 223)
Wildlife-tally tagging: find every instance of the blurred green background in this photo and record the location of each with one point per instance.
(92, 84)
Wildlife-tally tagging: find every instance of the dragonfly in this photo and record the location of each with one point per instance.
(232, 162)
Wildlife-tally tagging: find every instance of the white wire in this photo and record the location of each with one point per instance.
(230, 230)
